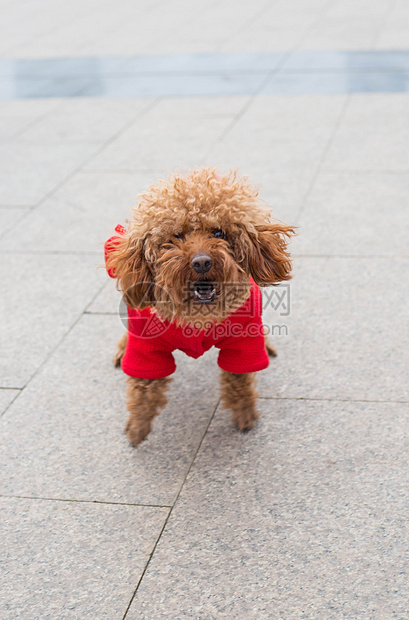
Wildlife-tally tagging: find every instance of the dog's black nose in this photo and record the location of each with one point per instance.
(201, 263)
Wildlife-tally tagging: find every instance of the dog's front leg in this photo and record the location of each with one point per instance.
(239, 394)
(146, 397)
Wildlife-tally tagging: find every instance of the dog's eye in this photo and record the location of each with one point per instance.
(179, 237)
(219, 234)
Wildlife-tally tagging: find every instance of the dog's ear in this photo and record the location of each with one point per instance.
(263, 253)
(127, 263)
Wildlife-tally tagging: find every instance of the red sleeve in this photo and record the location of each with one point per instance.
(245, 351)
(247, 354)
(148, 355)
(110, 245)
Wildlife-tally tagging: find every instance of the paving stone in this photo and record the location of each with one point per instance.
(84, 120)
(7, 397)
(283, 118)
(284, 176)
(346, 335)
(29, 172)
(165, 140)
(9, 217)
(395, 31)
(345, 25)
(285, 137)
(108, 300)
(82, 215)
(67, 444)
(373, 135)
(45, 296)
(17, 115)
(304, 516)
(356, 214)
(73, 560)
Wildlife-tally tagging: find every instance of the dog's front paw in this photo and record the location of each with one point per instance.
(137, 430)
(244, 418)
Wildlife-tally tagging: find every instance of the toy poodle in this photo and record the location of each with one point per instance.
(189, 266)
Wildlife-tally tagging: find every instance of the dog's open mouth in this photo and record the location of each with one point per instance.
(204, 291)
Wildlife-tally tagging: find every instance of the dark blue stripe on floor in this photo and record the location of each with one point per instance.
(297, 73)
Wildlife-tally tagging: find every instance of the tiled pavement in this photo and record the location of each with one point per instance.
(306, 516)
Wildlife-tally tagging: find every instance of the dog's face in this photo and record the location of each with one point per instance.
(192, 245)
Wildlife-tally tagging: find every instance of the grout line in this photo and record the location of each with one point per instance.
(13, 400)
(90, 312)
(78, 168)
(10, 388)
(248, 104)
(49, 252)
(383, 22)
(314, 24)
(340, 400)
(171, 510)
(36, 120)
(323, 156)
(53, 350)
(245, 26)
(83, 501)
(15, 206)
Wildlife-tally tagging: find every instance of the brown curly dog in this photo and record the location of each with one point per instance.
(189, 266)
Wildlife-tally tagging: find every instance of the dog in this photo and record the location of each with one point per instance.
(189, 266)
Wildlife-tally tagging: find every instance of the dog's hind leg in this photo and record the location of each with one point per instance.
(146, 398)
(239, 394)
(269, 348)
(120, 350)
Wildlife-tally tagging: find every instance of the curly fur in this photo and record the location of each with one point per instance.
(146, 397)
(174, 221)
(239, 394)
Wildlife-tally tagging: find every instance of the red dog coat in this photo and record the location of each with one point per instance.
(151, 341)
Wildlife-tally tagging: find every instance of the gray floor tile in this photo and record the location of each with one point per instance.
(9, 127)
(9, 218)
(7, 397)
(46, 294)
(373, 135)
(283, 118)
(335, 219)
(17, 115)
(58, 445)
(282, 137)
(346, 27)
(285, 138)
(305, 516)
(107, 301)
(84, 120)
(167, 141)
(29, 172)
(72, 560)
(282, 168)
(347, 333)
(394, 34)
(82, 215)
